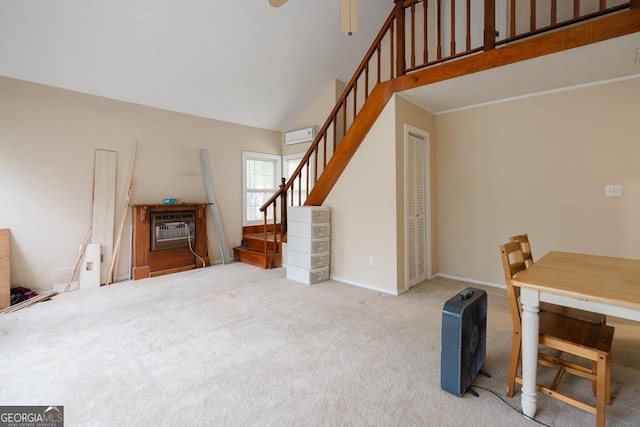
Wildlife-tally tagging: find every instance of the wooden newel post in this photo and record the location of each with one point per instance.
(489, 24)
(400, 32)
(634, 4)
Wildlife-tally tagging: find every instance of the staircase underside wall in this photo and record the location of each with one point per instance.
(363, 212)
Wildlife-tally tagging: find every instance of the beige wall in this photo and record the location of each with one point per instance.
(363, 214)
(539, 165)
(47, 142)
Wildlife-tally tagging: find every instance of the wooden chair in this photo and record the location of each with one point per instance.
(585, 340)
(587, 316)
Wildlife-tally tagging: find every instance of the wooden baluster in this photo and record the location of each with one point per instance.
(489, 24)
(468, 44)
(634, 4)
(439, 24)
(300, 189)
(512, 19)
(554, 12)
(603, 5)
(335, 136)
(293, 189)
(355, 99)
(324, 143)
(379, 53)
(275, 234)
(400, 48)
(344, 116)
(425, 27)
(266, 238)
(293, 193)
(392, 57)
(308, 166)
(283, 207)
(413, 35)
(453, 28)
(576, 8)
(366, 81)
(532, 16)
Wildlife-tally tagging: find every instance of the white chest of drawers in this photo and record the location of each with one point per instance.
(308, 243)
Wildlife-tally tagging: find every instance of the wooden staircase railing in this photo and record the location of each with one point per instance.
(430, 34)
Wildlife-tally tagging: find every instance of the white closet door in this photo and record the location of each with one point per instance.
(415, 208)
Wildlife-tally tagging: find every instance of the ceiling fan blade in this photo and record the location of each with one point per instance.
(277, 3)
(349, 16)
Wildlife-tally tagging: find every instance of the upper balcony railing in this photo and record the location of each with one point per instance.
(443, 30)
(425, 33)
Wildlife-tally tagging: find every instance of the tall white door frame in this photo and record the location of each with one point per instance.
(417, 205)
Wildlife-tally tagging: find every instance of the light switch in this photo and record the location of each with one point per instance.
(613, 190)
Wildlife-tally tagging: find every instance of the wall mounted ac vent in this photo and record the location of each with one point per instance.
(300, 135)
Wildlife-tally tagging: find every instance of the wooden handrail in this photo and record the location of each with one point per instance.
(348, 124)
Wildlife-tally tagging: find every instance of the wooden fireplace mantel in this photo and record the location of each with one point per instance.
(148, 263)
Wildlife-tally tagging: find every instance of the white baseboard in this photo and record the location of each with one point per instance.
(467, 279)
(388, 292)
(362, 285)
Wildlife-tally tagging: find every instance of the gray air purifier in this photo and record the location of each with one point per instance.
(464, 340)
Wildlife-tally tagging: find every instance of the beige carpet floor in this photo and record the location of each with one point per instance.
(236, 345)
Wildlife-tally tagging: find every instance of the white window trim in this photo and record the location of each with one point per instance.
(255, 155)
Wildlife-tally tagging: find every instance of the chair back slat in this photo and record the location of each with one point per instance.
(523, 241)
(512, 263)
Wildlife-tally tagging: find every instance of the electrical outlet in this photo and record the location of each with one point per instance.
(613, 191)
(372, 261)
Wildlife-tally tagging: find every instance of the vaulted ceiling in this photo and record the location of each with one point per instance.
(245, 62)
(234, 60)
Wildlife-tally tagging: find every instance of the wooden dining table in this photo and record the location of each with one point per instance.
(601, 284)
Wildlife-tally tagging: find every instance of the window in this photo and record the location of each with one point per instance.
(260, 180)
